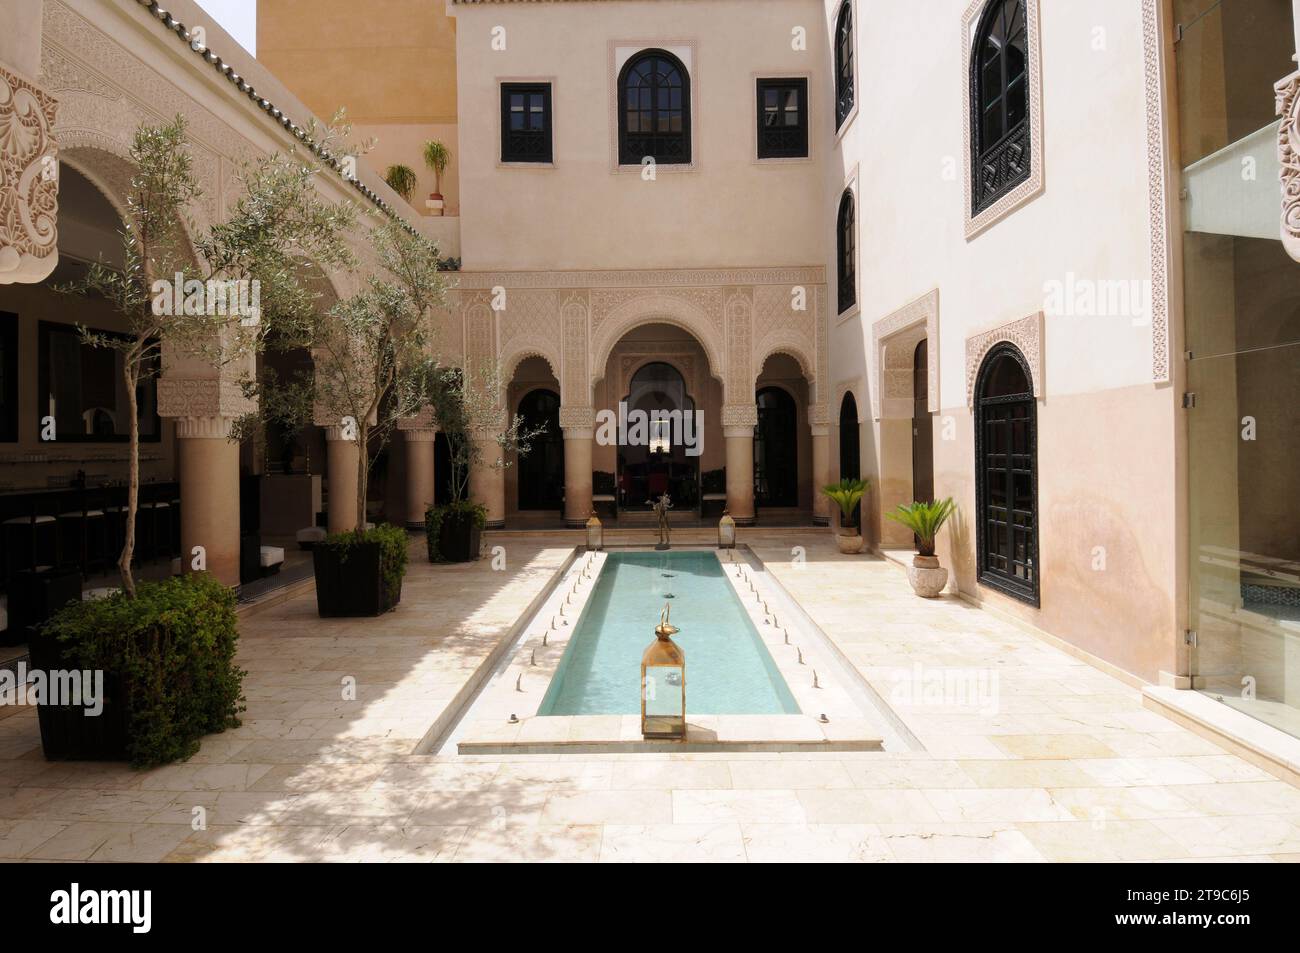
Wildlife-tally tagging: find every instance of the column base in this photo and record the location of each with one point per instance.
(495, 524)
(821, 521)
(745, 520)
(575, 524)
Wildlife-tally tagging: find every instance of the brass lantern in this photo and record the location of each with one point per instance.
(663, 684)
(726, 531)
(595, 533)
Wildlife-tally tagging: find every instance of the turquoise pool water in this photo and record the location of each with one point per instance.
(728, 669)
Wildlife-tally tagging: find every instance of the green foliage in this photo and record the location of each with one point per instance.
(466, 403)
(434, 516)
(372, 350)
(925, 520)
(393, 556)
(277, 227)
(847, 494)
(401, 179)
(173, 649)
(436, 157)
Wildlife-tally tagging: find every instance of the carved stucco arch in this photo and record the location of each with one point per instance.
(517, 355)
(1026, 334)
(853, 387)
(657, 309)
(790, 346)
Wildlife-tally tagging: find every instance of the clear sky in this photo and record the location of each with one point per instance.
(236, 17)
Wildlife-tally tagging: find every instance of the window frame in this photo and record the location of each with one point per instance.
(621, 134)
(845, 73)
(44, 329)
(1027, 591)
(846, 279)
(1013, 138)
(547, 88)
(765, 82)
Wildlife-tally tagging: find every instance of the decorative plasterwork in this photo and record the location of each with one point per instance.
(650, 278)
(577, 418)
(651, 307)
(687, 52)
(1033, 186)
(1288, 154)
(29, 181)
(893, 343)
(416, 427)
(1025, 333)
(205, 397)
(740, 415)
(853, 387)
(1153, 55)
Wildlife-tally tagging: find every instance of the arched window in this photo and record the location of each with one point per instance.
(844, 63)
(1006, 474)
(999, 105)
(654, 110)
(846, 253)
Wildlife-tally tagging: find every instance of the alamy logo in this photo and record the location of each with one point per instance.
(660, 430)
(214, 297)
(1077, 297)
(84, 689)
(74, 906)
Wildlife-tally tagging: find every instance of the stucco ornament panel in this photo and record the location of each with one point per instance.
(651, 306)
(1288, 154)
(1025, 333)
(207, 397)
(575, 380)
(740, 347)
(893, 343)
(29, 181)
(530, 327)
(1157, 123)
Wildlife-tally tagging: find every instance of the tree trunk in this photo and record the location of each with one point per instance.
(363, 471)
(130, 377)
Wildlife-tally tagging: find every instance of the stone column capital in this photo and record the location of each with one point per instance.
(420, 422)
(427, 435)
(205, 427)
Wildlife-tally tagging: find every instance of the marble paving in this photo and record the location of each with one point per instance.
(1029, 754)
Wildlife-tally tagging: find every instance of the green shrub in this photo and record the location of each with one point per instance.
(434, 515)
(393, 556)
(924, 519)
(847, 494)
(173, 650)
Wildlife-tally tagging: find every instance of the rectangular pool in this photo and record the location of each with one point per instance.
(728, 668)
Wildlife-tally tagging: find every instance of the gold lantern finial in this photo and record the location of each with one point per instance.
(665, 629)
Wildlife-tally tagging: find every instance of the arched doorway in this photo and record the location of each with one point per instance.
(922, 430)
(776, 446)
(541, 470)
(652, 460)
(850, 446)
(1006, 474)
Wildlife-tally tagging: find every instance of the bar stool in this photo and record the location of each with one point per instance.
(83, 536)
(31, 542)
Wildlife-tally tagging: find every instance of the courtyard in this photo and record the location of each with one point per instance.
(1061, 762)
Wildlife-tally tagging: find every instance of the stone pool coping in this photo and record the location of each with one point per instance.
(504, 718)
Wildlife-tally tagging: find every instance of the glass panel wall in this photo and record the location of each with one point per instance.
(1242, 304)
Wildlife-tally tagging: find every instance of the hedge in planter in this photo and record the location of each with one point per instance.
(452, 532)
(360, 573)
(168, 658)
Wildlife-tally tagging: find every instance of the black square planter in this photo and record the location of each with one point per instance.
(350, 582)
(459, 539)
(34, 596)
(68, 733)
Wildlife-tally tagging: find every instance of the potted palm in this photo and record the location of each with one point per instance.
(925, 574)
(401, 179)
(847, 494)
(436, 157)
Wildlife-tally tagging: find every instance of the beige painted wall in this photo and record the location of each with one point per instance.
(395, 74)
(582, 213)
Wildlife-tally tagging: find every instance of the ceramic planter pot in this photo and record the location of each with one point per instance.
(927, 577)
(849, 545)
